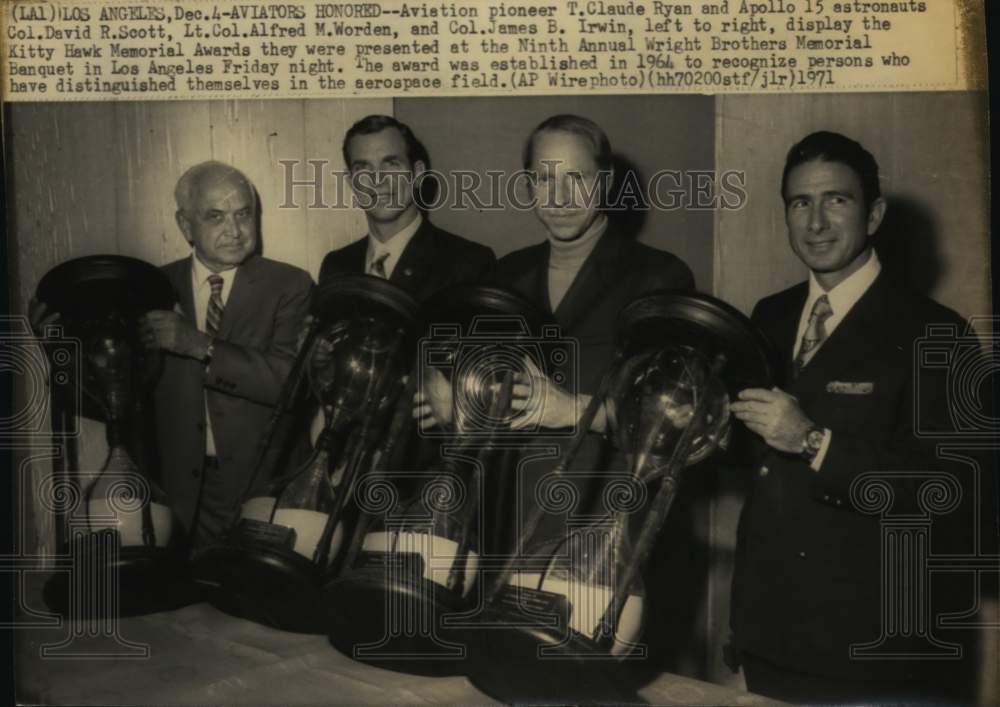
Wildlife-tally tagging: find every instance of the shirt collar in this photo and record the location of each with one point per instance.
(395, 245)
(847, 292)
(200, 273)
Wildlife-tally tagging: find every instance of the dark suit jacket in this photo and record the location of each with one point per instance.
(617, 271)
(253, 355)
(431, 261)
(807, 578)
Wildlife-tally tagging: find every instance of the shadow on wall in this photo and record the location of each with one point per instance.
(908, 243)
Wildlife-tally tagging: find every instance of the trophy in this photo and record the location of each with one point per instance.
(121, 534)
(415, 561)
(271, 565)
(680, 358)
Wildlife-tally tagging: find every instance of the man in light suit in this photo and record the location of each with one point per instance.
(228, 349)
(808, 564)
(386, 161)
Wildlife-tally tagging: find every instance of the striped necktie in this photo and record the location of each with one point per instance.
(378, 266)
(213, 316)
(815, 333)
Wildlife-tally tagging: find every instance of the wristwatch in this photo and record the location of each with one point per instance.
(812, 442)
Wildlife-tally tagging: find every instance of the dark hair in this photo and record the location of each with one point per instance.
(371, 124)
(833, 147)
(578, 125)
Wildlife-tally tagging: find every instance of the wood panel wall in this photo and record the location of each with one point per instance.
(89, 178)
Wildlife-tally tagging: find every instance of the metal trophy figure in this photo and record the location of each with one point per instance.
(270, 567)
(680, 357)
(121, 533)
(414, 561)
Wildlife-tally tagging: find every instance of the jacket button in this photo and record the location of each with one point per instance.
(838, 502)
(763, 471)
(802, 554)
(826, 497)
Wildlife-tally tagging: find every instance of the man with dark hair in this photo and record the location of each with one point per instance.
(809, 571)
(386, 162)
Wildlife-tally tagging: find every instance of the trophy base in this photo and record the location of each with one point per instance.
(272, 586)
(149, 580)
(552, 665)
(393, 621)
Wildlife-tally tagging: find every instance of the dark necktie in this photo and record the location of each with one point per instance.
(378, 266)
(815, 333)
(213, 316)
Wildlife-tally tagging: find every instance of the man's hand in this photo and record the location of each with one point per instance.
(432, 402)
(40, 317)
(544, 403)
(774, 415)
(161, 329)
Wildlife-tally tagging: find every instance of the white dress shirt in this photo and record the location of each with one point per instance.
(842, 299)
(394, 247)
(202, 294)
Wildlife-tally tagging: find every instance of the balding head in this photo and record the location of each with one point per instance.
(217, 212)
(193, 180)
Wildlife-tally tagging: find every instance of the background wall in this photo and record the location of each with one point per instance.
(647, 133)
(934, 163)
(90, 178)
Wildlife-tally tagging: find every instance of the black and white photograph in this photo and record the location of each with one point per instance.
(645, 398)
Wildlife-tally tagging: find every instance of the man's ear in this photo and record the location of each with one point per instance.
(184, 225)
(875, 215)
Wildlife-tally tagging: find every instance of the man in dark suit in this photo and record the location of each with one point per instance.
(386, 162)
(809, 568)
(228, 348)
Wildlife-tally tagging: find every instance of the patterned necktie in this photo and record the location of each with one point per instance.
(815, 333)
(378, 266)
(213, 316)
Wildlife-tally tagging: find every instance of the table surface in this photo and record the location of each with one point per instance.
(199, 655)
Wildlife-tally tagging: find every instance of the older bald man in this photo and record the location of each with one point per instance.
(228, 350)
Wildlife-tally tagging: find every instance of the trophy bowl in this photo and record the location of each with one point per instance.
(569, 611)
(270, 567)
(418, 565)
(123, 531)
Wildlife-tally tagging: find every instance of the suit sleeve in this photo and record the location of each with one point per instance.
(257, 373)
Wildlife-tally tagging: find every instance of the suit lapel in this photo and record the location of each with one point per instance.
(416, 264)
(240, 296)
(354, 256)
(600, 270)
(854, 338)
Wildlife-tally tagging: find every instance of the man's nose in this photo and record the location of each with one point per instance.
(231, 227)
(564, 192)
(817, 219)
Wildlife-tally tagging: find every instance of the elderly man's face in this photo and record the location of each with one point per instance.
(381, 174)
(566, 190)
(220, 222)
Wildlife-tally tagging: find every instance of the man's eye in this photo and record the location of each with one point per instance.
(215, 218)
(837, 200)
(797, 204)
